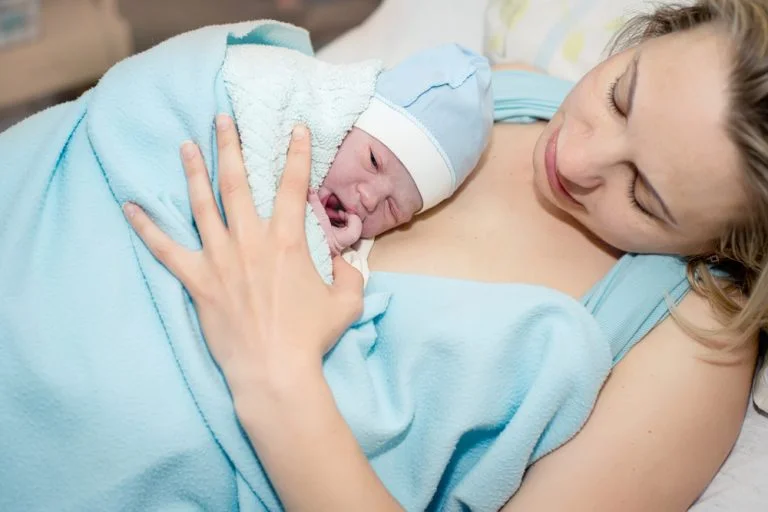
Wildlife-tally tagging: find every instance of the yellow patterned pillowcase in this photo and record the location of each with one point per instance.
(566, 38)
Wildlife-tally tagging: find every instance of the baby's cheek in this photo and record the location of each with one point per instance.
(370, 228)
(374, 226)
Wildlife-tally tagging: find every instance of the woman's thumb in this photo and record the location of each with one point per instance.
(348, 284)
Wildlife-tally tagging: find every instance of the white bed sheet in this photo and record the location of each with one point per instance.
(400, 27)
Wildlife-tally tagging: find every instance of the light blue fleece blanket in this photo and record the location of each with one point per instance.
(109, 399)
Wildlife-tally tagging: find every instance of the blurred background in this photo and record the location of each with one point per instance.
(53, 50)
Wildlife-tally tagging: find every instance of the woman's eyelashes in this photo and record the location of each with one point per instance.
(613, 103)
(635, 203)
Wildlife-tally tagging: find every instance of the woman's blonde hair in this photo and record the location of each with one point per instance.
(734, 275)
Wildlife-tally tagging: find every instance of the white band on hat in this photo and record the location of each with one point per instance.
(406, 138)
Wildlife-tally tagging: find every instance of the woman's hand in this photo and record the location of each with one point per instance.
(265, 311)
(268, 318)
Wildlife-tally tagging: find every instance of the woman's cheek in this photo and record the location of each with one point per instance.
(612, 227)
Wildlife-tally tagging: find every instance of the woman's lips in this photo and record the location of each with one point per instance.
(553, 177)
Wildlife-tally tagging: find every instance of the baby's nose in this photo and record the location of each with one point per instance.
(368, 197)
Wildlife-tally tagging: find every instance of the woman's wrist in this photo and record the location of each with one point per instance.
(273, 388)
(311, 455)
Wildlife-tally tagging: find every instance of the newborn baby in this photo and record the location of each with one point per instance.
(367, 191)
(414, 145)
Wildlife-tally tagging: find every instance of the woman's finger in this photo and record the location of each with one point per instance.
(233, 182)
(204, 209)
(291, 201)
(169, 253)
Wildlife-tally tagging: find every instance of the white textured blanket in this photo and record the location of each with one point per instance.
(272, 89)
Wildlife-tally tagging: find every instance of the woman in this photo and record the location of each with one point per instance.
(659, 149)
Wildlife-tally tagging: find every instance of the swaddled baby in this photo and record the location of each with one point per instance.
(385, 145)
(414, 145)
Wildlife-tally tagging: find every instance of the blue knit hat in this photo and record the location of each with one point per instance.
(434, 111)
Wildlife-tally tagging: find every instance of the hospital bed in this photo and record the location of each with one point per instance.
(565, 38)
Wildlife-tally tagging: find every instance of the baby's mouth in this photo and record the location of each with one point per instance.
(336, 211)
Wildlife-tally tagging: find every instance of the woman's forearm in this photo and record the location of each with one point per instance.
(309, 452)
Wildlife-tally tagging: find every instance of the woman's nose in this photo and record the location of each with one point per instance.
(583, 157)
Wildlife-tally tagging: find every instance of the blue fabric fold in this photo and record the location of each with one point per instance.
(525, 97)
(478, 381)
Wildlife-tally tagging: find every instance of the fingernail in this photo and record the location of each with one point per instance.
(223, 122)
(188, 150)
(130, 210)
(299, 132)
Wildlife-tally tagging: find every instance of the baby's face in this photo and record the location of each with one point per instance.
(367, 185)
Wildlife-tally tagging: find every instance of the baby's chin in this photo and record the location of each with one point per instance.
(371, 233)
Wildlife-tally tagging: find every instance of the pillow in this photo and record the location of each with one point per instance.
(398, 28)
(565, 38)
(740, 485)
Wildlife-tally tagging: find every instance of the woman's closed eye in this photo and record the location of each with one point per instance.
(652, 206)
(613, 103)
(625, 86)
(632, 193)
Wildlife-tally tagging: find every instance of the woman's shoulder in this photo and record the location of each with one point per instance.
(664, 422)
(696, 311)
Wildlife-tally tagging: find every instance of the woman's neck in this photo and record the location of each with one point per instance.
(496, 229)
